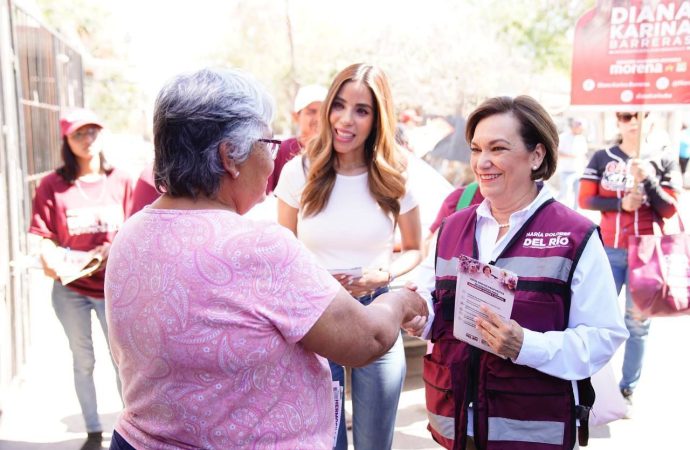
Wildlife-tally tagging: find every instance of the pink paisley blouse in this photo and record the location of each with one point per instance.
(205, 312)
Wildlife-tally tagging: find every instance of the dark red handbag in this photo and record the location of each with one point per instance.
(659, 273)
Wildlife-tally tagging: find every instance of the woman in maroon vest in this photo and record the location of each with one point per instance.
(565, 323)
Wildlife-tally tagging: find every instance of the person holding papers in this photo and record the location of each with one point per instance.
(564, 325)
(344, 199)
(77, 210)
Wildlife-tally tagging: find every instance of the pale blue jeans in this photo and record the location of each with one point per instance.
(636, 325)
(74, 312)
(376, 392)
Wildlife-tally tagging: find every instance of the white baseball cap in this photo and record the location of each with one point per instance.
(309, 94)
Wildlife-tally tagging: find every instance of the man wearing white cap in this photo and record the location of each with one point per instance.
(306, 115)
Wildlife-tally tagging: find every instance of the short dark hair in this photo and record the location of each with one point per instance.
(536, 127)
(194, 114)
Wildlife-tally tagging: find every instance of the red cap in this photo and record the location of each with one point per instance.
(75, 118)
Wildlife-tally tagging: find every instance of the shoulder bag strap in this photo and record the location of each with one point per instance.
(466, 196)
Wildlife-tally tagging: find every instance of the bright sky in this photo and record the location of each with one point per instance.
(167, 37)
(175, 35)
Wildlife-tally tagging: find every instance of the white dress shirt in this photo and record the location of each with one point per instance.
(595, 325)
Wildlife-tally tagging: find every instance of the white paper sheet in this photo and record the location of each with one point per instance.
(481, 284)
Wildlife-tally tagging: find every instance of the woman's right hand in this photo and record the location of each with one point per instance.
(414, 306)
(355, 335)
(640, 169)
(632, 201)
(415, 327)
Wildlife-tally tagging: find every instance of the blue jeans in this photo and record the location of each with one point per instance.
(637, 325)
(376, 391)
(119, 443)
(74, 312)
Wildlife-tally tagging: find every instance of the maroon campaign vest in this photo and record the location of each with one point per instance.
(514, 407)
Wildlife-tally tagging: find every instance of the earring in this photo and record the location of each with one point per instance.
(534, 168)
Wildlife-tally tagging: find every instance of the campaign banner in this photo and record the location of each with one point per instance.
(636, 53)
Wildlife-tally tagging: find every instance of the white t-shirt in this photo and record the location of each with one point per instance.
(352, 230)
(426, 182)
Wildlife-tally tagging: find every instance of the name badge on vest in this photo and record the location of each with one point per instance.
(541, 240)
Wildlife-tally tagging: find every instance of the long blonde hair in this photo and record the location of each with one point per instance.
(384, 161)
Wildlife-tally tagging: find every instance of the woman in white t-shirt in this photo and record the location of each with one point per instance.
(343, 200)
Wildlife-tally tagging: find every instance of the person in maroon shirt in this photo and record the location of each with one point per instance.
(634, 185)
(77, 210)
(448, 207)
(306, 115)
(144, 190)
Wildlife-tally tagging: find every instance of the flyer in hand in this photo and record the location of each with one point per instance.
(78, 264)
(481, 284)
(337, 399)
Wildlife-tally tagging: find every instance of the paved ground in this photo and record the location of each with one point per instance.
(42, 411)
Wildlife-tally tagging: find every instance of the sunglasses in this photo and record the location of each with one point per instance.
(627, 117)
(83, 133)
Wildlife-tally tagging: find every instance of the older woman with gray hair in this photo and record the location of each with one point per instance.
(219, 324)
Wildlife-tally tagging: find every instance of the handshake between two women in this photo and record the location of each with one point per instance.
(354, 335)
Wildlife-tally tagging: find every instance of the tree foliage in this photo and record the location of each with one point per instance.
(442, 55)
(541, 30)
(109, 89)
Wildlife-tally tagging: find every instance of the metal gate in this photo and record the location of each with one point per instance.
(39, 74)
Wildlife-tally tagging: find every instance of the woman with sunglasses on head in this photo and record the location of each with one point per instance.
(634, 184)
(344, 199)
(77, 210)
